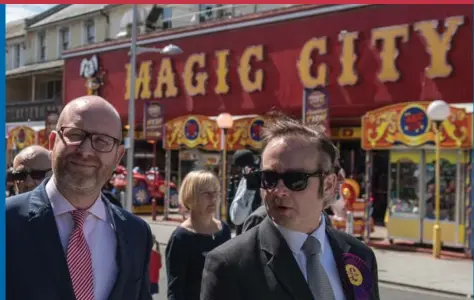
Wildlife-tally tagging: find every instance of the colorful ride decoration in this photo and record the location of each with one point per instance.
(202, 132)
(21, 137)
(145, 187)
(407, 124)
(350, 193)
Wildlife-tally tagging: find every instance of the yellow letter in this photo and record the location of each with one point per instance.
(438, 45)
(348, 57)
(188, 75)
(141, 81)
(245, 68)
(222, 69)
(305, 62)
(166, 77)
(388, 71)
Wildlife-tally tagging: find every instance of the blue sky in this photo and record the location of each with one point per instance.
(19, 11)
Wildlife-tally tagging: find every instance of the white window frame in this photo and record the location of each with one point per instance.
(85, 38)
(16, 49)
(38, 45)
(61, 30)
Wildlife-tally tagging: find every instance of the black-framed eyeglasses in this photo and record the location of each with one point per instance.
(100, 142)
(293, 180)
(34, 174)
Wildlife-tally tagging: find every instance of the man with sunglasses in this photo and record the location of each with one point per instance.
(293, 253)
(30, 167)
(65, 240)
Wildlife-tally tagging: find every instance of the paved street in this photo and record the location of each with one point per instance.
(387, 292)
(413, 269)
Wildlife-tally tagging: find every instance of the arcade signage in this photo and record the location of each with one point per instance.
(161, 82)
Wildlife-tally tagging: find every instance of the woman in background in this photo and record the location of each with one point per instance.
(195, 237)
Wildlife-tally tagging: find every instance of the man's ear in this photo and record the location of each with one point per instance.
(52, 139)
(120, 153)
(330, 185)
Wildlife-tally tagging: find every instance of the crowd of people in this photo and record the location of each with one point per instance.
(65, 238)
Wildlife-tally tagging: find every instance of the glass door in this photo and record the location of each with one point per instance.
(452, 174)
(404, 195)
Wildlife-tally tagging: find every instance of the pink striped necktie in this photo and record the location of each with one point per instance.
(79, 259)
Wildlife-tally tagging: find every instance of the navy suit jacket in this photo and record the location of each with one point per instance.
(36, 267)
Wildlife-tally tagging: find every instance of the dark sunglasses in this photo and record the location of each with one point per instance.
(34, 174)
(293, 180)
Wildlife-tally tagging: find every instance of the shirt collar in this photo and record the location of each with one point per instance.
(296, 239)
(61, 205)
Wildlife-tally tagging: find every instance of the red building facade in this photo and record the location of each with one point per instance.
(365, 57)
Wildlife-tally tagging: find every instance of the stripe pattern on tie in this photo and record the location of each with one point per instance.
(79, 259)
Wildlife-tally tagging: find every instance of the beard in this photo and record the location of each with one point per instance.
(79, 180)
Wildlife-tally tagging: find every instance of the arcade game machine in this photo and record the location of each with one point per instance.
(406, 133)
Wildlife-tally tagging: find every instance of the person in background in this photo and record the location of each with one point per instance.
(195, 237)
(155, 267)
(30, 167)
(247, 195)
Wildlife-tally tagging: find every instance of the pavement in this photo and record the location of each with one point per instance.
(403, 275)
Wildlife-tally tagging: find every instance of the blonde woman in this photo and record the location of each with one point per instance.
(195, 237)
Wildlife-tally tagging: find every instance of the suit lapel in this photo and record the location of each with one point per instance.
(43, 228)
(339, 247)
(282, 262)
(122, 257)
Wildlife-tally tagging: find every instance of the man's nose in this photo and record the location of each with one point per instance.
(280, 189)
(86, 146)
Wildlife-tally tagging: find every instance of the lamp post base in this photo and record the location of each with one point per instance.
(436, 241)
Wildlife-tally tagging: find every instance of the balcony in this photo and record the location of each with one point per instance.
(30, 111)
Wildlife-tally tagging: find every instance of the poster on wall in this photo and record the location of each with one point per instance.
(315, 108)
(153, 121)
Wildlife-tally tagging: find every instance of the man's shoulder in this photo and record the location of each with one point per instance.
(129, 217)
(238, 247)
(357, 246)
(17, 205)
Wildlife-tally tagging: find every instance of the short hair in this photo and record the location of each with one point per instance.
(277, 126)
(193, 184)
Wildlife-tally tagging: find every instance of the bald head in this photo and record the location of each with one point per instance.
(94, 110)
(32, 158)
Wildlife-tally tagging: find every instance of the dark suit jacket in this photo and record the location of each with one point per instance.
(259, 215)
(260, 265)
(36, 267)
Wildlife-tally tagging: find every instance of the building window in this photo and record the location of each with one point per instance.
(16, 55)
(167, 16)
(50, 90)
(64, 38)
(41, 46)
(89, 28)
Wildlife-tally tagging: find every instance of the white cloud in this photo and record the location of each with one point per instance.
(20, 11)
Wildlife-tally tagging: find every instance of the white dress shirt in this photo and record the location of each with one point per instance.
(99, 234)
(296, 240)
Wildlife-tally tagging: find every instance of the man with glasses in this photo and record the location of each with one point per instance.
(293, 253)
(30, 167)
(65, 240)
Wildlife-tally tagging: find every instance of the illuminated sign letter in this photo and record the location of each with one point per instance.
(388, 71)
(188, 75)
(305, 63)
(438, 45)
(222, 69)
(245, 68)
(141, 81)
(166, 77)
(348, 58)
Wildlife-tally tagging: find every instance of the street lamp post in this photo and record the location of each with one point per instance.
(437, 111)
(129, 141)
(224, 121)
